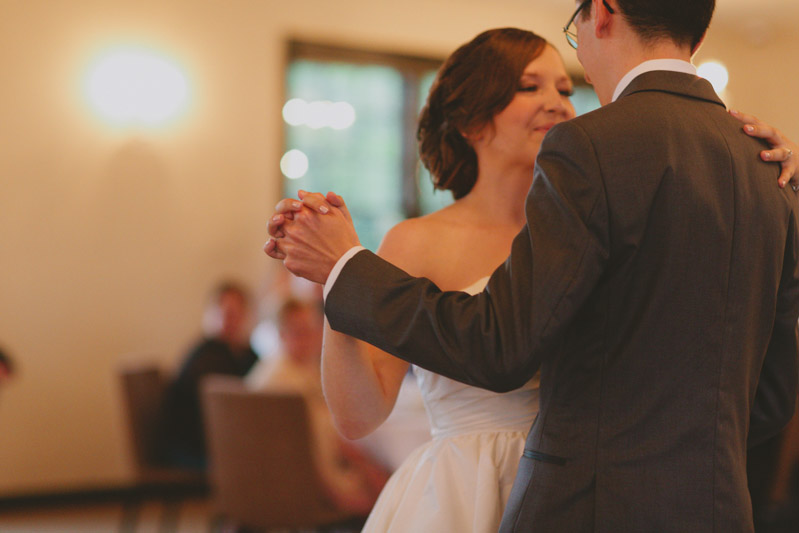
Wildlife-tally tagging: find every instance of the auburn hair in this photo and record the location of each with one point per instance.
(475, 83)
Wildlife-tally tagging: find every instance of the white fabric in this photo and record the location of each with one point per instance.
(461, 480)
(333, 276)
(674, 65)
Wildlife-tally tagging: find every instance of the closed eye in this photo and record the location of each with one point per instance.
(528, 88)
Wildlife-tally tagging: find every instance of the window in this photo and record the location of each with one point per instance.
(584, 98)
(350, 127)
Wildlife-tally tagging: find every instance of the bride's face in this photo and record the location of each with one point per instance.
(541, 101)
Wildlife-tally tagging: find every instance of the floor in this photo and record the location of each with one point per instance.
(194, 517)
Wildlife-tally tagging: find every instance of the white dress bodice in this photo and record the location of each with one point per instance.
(454, 408)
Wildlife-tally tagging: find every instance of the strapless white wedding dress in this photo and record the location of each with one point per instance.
(459, 482)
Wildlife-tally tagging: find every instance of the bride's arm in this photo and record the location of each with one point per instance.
(361, 382)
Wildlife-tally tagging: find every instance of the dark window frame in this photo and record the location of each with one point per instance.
(412, 68)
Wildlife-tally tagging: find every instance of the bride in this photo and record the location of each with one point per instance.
(492, 103)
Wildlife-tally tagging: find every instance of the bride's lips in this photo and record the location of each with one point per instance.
(545, 128)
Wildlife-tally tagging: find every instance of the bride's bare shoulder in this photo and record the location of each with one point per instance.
(409, 243)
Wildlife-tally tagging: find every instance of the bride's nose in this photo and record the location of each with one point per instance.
(555, 101)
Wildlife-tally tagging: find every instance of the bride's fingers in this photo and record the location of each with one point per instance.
(764, 131)
(334, 199)
(782, 151)
(789, 170)
(788, 164)
(782, 154)
(337, 201)
(744, 117)
(315, 201)
(755, 127)
(287, 206)
(271, 249)
(275, 226)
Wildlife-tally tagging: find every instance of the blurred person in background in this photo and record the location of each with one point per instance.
(6, 368)
(279, 287)
(352, 478)
(223, 349)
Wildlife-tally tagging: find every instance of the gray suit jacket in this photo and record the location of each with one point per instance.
(656, 287)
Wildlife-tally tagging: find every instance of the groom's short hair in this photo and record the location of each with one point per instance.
(682, 21)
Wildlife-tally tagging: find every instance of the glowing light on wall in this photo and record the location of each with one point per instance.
(294, 164)
(715, 73)
(319, 114)
(136, 87)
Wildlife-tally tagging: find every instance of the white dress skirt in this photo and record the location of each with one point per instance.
(460, 481)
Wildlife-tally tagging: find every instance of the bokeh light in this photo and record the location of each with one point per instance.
(716, 74)
(294, 164)
(295, 112)
(341, 115)
(319, 114)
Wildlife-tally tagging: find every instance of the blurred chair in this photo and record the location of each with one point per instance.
(262, 468)
(143, 391)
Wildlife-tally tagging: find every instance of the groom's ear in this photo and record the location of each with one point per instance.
(603, 20)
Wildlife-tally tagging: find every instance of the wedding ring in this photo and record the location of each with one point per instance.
(790, 153)
(795, 187)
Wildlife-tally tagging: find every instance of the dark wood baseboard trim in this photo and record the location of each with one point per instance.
(100, 495)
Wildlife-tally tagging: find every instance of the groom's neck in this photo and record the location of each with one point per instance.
(620, 49)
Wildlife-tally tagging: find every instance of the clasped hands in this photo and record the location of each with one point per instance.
(311, 234)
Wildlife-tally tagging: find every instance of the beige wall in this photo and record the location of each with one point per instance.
(764, 74)
(109, 238)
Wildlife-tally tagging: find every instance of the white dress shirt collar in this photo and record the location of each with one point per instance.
(674, 65)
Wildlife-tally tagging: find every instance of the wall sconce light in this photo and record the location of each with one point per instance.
(135, 86)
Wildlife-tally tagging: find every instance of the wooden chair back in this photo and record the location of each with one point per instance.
(262, 467)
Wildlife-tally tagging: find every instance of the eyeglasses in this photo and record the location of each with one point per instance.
(571, 35)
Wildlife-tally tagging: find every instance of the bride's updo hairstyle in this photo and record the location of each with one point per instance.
(475, 83)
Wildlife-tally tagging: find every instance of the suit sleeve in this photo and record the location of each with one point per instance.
(496, 339)
(775, 398)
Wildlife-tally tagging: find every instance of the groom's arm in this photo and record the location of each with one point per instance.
(495, 339)
(775, 398)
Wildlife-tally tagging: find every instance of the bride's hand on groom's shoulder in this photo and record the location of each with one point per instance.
(783, 150)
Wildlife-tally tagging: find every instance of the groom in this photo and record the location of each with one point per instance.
(655, 286)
